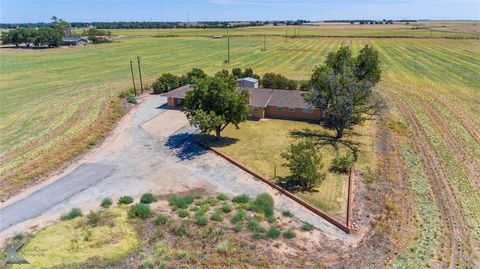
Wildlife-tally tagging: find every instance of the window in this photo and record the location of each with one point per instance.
(255, 109)
(291, 109)
(308, 110)
(279, 108)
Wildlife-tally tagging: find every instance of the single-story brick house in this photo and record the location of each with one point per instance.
(265, 103)
(73, 41)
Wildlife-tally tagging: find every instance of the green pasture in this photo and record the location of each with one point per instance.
(321, 30)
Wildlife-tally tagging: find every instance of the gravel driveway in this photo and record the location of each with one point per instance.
(139, 157)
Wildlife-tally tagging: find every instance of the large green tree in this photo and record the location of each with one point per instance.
(342, 87)
(214, 103)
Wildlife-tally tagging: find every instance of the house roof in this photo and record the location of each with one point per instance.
(259, 97)
(72, 39)
(179, 92)
(249, 79)
(288, 98)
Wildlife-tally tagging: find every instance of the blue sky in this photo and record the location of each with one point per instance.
(197, 10)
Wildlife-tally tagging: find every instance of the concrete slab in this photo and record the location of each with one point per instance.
(165, 124)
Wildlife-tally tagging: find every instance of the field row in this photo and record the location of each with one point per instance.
(322, 30)
(51, 95)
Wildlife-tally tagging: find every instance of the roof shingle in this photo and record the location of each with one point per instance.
(259, 97)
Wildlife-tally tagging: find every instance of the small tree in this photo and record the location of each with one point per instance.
(237, 72)
(277, 81)
(343, 87)
(214, 103)
(195, 74)
(304, 163)
(165, 83)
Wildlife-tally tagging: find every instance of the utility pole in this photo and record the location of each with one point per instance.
(228, 45)
(265, 42)
(139, 60)
(133, 78)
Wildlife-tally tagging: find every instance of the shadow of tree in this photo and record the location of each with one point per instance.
(290, 184)
(212, 141)
(184, 146)
(322, 138)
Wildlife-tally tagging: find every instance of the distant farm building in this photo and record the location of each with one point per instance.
(265, 103)
(73, 41)
(247, 82)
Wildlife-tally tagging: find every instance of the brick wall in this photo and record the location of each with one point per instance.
(297, 113)
(260, 114)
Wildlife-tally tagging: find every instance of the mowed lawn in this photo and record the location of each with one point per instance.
(259, 144)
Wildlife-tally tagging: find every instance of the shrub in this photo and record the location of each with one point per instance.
(73, 213)
(211, 201)
(93, 218)
(180, 201)
(106, 203)
(238, 217)
(258, 235)
(140, 210)
(165, 83)
(272, 219)
(305, 163)
(241, 199)
(253, 225)
(287, 214)
(273, 232)
(182, 213)
(161, 253)
(307, 227)
(202, 210)
(237, 228)
(125, 200)
(216, 216)
(341, 164)
(224, 246)
(161, 219)
(263, 204)
(289, 234)
(131, 99)
(226, 208)
(181, 230)
(201, 220)
(148, 198)
(222, 197)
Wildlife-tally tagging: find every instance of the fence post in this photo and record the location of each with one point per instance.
(349, 200)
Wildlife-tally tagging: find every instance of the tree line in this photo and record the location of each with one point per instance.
(50, 36)
(167, 81)
(155, 25)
